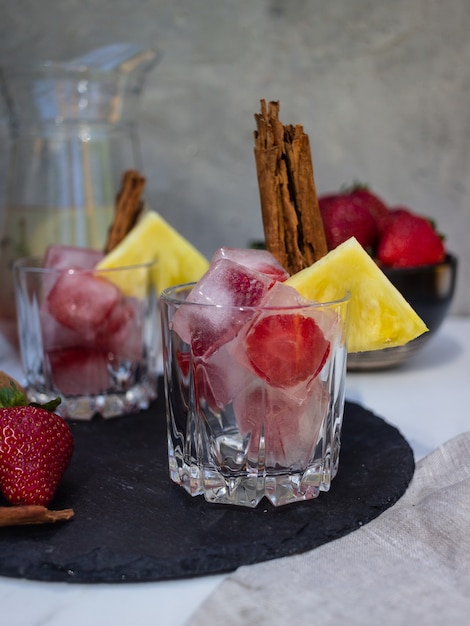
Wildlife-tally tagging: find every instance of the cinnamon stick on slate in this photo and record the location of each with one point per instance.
(292, 222)
(32, 514)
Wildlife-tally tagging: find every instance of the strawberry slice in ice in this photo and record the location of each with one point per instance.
(289, 429)
(232, 290)
(286, 349)
(59, 257)
(79, 371)
(81, 301)
(260, 260)
(121, 333)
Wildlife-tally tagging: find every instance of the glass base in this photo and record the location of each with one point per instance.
(136, 398)
(280, 487)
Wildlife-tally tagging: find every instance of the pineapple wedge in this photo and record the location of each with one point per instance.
(379, 316)
(152, 238)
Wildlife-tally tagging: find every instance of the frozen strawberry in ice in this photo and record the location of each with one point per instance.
(229, 283)
(278, 427)
(71, 257)
(220, 377)
(286, 346)
(235, 289)
(260, 260)
(55, 335)
(286, 349)
(122, 330)
(61, 257)
(78, 371)
(81, 301)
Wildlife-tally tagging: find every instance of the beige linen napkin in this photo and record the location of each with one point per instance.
(411, 565)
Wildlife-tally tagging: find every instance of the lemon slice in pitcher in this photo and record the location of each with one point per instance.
(152, 238)
(379, 316)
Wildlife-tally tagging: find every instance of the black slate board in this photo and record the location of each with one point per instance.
(133, 524)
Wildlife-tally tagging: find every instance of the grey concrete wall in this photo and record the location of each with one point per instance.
(381, 87)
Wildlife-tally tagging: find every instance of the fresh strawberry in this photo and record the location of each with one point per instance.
(344, 212)
(36, 446)
(363, 196)
(343, 218)
(324, 201)
(286, 349)
(393, 214)
(409, 240)
(399, 237)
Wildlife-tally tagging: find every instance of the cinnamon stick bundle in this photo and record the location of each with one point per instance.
(129, 206)
(292, 223)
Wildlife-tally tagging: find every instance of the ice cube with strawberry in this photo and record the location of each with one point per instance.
(60, 256)
(88, 325)
(79, 370)
(285, 344)
(236, 289)
(280, 427)
(82, 302)
(255, 259)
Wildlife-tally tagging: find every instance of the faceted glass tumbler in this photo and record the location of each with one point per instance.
(91, 337)
(254, 398)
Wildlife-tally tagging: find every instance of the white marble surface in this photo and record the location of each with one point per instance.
(426, 400)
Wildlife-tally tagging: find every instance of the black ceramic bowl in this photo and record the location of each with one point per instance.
(429, 290)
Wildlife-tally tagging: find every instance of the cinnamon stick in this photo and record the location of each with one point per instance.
(129, 206)
(291, 216)
(32, 514)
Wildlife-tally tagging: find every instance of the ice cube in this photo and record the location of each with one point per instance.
(284, 344)
(231, 287)
(79, 371)
(219, 378)
(81, 301)
(71, 257)
(260, 260)
(57, 336)
(228, 283)
(62, 257)
(121, 332)
(288, 429)
(286, 296)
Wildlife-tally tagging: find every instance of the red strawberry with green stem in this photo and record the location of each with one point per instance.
(36, 446)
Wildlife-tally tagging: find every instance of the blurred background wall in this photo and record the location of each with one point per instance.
(382, 89)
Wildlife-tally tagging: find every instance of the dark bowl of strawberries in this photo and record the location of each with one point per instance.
(409, 250)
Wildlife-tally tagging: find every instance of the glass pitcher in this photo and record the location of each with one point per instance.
(73, 132)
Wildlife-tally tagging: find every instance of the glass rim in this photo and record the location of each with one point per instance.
(168, 296)
(26, 264)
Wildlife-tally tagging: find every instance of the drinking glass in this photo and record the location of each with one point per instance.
(254, 397)
(89, 336)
